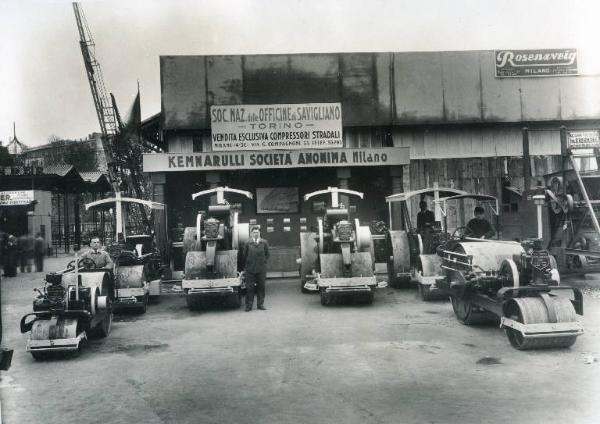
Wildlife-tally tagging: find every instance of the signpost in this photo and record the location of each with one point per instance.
(16, 198)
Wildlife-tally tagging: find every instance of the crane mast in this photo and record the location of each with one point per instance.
(109, 119)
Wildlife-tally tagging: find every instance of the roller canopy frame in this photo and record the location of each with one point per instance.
(335, 191)
(118, 200)
(484, 198)
(221, 193)
(405, 196)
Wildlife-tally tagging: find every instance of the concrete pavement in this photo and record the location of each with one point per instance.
(397, 361)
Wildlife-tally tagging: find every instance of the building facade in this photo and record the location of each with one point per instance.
(437, 117)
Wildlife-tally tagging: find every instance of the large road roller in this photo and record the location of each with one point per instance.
(407, 243)
(517, 283)
(337, 259)
(137, 262)
(212, 252)
(74, 304)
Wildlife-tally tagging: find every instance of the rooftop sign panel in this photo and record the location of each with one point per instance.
(536, 63)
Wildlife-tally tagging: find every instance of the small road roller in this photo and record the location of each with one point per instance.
(515, 282)
(212, 252)
(408, 245)
(337, 260)
(74, 304)
(137, 262)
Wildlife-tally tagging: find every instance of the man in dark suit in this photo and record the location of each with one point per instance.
(425, 218)
(255, 256)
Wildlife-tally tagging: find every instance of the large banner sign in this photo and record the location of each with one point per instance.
(283, 126)
(536, 63)
(13, 198)
(172, 162)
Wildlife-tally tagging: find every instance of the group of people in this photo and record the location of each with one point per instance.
(21, 253)
(478, 227)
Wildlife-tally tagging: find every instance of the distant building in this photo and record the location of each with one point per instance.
(57, 152)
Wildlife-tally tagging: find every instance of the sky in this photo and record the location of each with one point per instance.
(43, 87)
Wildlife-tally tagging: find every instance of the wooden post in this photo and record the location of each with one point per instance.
(564, 157)
(526, 160)
(77, 221)
(66, 222)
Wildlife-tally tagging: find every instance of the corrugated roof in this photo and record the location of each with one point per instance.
(92, 177)
(60, 170)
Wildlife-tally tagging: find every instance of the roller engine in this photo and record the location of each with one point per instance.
(137, 272)
(212, 252)
(74, 304)
(337, 261)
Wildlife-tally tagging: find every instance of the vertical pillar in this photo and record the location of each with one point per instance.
(564, 157)
(58, 215)
(343, 175)
(94, 214)
(396, 172)
(66, 222)
(213, 179)
(526, 160)
(76, 199)
(161, 233)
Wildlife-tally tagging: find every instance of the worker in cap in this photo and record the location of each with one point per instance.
(479, 227)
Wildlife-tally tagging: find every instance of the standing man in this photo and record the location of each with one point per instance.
(100, 257)
(424, 218)
(255, 256)
(38, 252)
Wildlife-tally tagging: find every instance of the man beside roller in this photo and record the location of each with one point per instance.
(479, 227)
(100, 257)
(255, 256)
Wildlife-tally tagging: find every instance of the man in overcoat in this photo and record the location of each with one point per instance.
(255, 256)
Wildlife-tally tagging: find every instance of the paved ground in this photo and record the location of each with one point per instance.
(396, 361)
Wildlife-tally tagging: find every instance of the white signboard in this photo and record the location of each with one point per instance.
(269, 127)
(583, 139)
(12, 198)
(173, 162)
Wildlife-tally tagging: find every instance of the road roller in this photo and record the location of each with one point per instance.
(517, 283)
(408, 244)
(137, 262)
(212, 251)
(74, 304)
(337, 260)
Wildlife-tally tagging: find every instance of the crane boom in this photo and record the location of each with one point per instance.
(104, 109)
(111, 126)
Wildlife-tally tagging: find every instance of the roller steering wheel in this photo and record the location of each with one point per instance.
(86, 263)
(461, 232)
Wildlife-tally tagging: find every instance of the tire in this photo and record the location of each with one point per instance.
(235, 300)
(41, 356)
(103, 328)
(302, 289)
(366, 298)
(424, 293)
(326, 299)
(144, 307)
